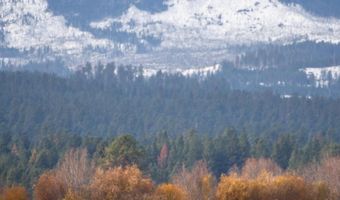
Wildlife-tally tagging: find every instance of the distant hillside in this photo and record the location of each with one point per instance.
(104, 105)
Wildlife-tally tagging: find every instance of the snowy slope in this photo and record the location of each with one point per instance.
(189, 33)
(323, 76)
(219, 23)
(28, 24)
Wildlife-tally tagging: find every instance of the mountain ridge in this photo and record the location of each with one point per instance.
(180, 34)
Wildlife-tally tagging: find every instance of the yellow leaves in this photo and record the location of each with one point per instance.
(267, 187)
(233, 188)
(170, 192)
(262, 179)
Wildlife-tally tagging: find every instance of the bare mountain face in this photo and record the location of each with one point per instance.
(168, 34)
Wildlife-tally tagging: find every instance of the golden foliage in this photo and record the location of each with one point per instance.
(15, 193)
(258, 180)
(267, 188)
(71, 195)
(289, 187)
(170, 192)
(233, 188)
(122, 183)
(49, 187)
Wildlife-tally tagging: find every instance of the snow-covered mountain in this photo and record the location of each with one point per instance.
(217, 24)
(28, 26)
(162, 34)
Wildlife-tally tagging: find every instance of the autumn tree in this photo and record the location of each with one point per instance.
(72, 195)
(233, 188)
(263, 180)
(268, 187)
(289, 187)
(123, 183)
(170, 192)
(15, 193)
(328, 171)
(73, 173)
(75, 169)
(49, 187)
(198, 183)
(253, 168)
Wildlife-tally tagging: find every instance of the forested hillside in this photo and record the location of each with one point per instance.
(107, 105)
(169, 100)
(114, 124)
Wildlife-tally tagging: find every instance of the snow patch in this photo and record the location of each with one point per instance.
(201, 72)
(286, 96)
(103, 24)
(323, 76)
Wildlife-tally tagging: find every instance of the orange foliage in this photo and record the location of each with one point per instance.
(170, 192)
(126, 183)
(15, 193)
(49, 187)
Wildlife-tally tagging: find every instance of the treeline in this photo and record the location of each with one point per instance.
(78, 178)
(160, 156)
(293, 56)
(101, 103)
(279, 68)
